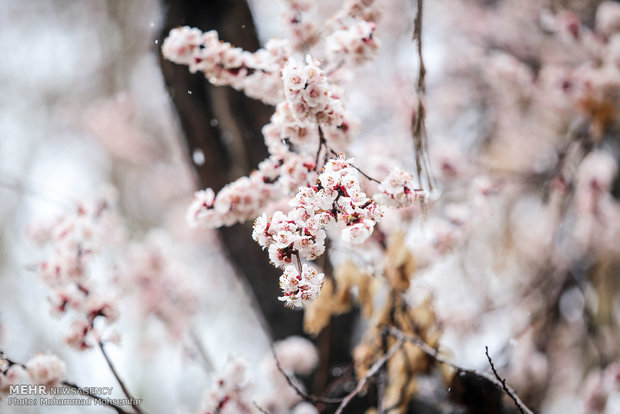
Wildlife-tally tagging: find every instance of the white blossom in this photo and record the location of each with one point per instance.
(300, 289)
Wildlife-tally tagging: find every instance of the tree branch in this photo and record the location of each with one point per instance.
(119, 380)
(509, 391)
(299, 391)
(418, 125)
(371, 372)
(433, 353)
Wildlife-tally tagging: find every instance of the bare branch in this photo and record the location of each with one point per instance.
(204, 356)
(433, 353)
(509, 391)
(358, 170)
(299, 391)
(371, 372)
(322, 143)
(259, 408)
(119, 380)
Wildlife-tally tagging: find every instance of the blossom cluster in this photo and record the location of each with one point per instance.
(309, 121)
(312, 111)
(398, 189)
(293, 138)
(300, 288)
(75, 240)
(303, 31)
(43, 369)
(232, 390)
(257, 74)
(311, 99)
(244, 198)
(352, 45)
(336, 197)
(309, 115)
(159, 283)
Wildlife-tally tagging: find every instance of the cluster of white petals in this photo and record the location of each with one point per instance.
(246, 197)
(308, 125)
(257, 74)
(292, 137)
(352, 45)
(48, 370)
(398, 190)
(336, 198)
(237, 201)
(307, 89)
(300, 288)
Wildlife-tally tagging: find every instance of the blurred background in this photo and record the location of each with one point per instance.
(517, 251)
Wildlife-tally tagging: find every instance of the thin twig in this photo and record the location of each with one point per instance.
(300, 392)
(318, 152)
(119, 380)
(509, 391)
(371, 372)
(433, 353)
(366, 175)
(259, 408)
(409, 374)
(204, 356)
(360, 171)
(298, 262)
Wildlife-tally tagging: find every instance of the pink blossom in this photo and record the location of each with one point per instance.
(48, 370)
